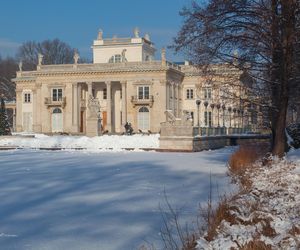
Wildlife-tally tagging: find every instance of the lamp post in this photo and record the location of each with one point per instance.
(206, 117)
(198, 102)
(218, 108)
(234, 117)
(223, 107)
(229, 110)
(212, 106)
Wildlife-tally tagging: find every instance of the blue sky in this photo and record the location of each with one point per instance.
(77, 21)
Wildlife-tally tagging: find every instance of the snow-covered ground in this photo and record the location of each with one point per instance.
(83, 200)
(106, 142)
(269, 212)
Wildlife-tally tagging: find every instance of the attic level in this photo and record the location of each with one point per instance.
(116, 50)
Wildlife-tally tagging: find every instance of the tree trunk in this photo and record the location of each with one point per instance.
(279, 143)
(285, 71)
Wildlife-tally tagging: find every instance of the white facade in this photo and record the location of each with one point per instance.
(136, 49)
(124, 84)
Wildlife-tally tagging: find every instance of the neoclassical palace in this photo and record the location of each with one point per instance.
(124, 84)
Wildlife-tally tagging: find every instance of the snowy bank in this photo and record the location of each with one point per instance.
(268, 212)
(105, 142)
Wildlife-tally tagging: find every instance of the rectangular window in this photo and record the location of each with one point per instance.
(27, 97)
(189, 94)
(117, 58)
(207, 93)
(143, 92)
(56, 95)
(104, 94)
(207, 119)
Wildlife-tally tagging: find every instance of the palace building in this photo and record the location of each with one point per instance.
(125, 84)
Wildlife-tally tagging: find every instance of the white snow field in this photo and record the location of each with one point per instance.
(103, 143)
(81, 200)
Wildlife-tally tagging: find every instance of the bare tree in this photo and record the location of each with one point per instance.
(264, 33)
(8, 68)
(54, 52)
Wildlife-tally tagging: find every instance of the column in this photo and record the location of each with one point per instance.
(124, 102)
(14, 119)
(75, 106)
(90, 89)
(108, 105)
(19, 101)
(39, 106)
(34, 110)
(173, 98)
(178, 95)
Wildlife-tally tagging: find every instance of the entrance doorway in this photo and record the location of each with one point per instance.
(57, 121)
(104, 119)
(144, 119)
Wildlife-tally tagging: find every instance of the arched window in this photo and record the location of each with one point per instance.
(57, 111)
(144, 119)
(143, 109)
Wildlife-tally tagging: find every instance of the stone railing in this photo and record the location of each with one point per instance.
(173, 65)
(49, 102)
(98, 67)
(145, 101)
(211, 131)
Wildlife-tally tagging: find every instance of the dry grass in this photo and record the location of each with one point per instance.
(245, 158)
(256, 245)
(213, 216)
(295, 231)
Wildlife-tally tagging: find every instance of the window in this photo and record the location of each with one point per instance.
(143, 92)
(207, 119)
(56, 95)
(207, 93)
(189, 94)
(27, 97)
(115, 59)
(104, 94)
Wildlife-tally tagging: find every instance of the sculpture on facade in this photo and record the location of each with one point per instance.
(136, 32)
(147, 37)
(163, 54)
(94, 107)
(40, 59)
(76, 57)
(123, 57)
(20, 65)
(100, 34)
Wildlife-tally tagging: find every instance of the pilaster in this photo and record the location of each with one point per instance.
(108, 105)
(124, 102)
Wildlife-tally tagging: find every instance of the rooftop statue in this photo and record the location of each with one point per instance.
(136, 32)
(76, 57)
(40, 58)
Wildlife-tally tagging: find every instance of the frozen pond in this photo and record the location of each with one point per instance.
(79, 200)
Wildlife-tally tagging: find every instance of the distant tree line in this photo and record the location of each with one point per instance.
(54, 52)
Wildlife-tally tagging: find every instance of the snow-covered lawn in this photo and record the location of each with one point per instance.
(105, 142)
(83, 200)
